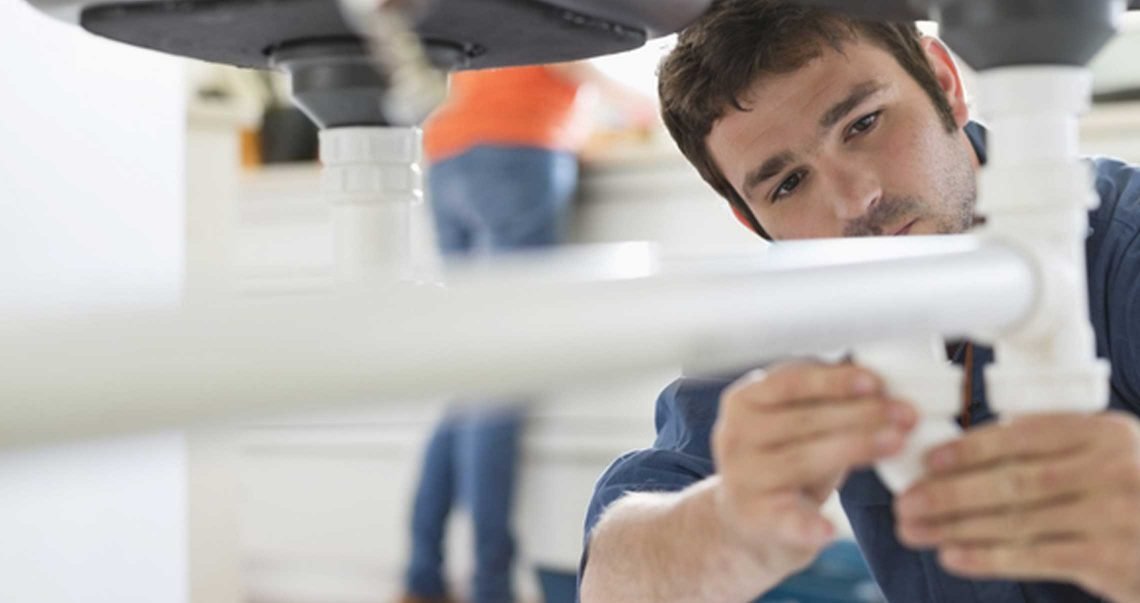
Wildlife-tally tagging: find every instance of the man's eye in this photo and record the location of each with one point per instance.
(788, 186)
(864, 124)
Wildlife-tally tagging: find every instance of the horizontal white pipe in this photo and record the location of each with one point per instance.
(494, 334)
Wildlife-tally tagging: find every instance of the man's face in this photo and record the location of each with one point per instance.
(849, 145)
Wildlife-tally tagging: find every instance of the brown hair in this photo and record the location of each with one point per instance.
(720, 56)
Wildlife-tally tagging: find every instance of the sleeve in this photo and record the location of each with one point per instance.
(680, 456)
(645, 471)
(1117, 246)
(1124, 316)
(649, 470)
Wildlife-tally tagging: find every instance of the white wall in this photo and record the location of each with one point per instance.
(98, 522)
(91, 139)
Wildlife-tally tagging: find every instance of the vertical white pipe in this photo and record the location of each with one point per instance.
(373, 179)
(1035, 193)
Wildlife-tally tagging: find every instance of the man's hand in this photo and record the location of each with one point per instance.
(784, 439)
(1052, 497)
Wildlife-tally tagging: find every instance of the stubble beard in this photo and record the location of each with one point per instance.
(959, 196)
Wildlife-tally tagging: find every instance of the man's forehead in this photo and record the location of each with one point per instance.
(786, 114)
(832, 69)
(783, 99)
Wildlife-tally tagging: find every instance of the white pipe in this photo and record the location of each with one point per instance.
(372, 179)
(916, 370)
(113, 374)
(1036, 191)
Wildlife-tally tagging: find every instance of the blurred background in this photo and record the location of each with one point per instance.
(129, 178)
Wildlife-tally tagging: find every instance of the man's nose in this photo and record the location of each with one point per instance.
(855, 191)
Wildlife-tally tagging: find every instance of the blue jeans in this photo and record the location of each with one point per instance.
(494, 199)
(487, 200)
(470, 457)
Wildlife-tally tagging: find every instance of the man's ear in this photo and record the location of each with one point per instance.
(948, 77)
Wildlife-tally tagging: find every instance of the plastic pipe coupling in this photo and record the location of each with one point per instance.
(372, 179)
(1035, 193)
(916, 371)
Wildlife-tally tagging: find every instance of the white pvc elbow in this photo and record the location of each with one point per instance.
(917, 372)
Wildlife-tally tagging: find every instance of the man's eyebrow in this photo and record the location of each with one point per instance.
(772, 166)
(777, 163)
(858, 94)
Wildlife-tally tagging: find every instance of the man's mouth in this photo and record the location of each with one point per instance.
(906, 228)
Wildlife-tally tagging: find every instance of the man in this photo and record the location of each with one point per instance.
(813, 125)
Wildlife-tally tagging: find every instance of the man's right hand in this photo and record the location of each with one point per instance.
(785, 438)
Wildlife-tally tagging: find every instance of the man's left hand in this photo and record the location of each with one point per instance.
(1050, 497)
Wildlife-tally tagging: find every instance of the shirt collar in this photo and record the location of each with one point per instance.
(977, 135)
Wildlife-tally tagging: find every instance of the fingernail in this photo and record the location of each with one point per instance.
(886, 440)
(864, 384)
(941, 459)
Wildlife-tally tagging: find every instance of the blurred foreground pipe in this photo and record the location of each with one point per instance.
(495, 332)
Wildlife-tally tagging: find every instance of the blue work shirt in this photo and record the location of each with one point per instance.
(687, 409)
